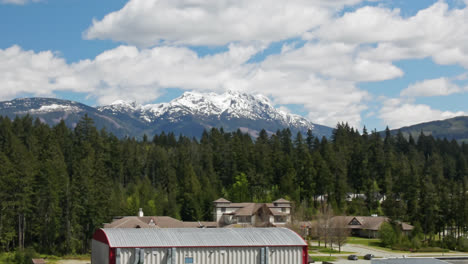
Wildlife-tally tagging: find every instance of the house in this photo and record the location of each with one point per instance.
(38, 261)
(142, 221)
(380, 198)
(197, 245)
(227, 214)
(367, 226)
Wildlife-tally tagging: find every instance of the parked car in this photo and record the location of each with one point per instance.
(310, 260)
(368, 256)
(352, 257)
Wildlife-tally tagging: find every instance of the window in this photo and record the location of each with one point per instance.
(223, 209)
(354, 222)
(188, 260)
(283, 210)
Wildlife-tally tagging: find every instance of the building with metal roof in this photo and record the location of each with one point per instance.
(195, 245)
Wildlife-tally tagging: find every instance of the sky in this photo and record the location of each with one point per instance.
(373, 63)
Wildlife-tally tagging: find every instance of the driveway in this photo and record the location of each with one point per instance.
(72, 261)
(362, 250)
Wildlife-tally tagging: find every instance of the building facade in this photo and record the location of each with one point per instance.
(198, 246)
(227, 213)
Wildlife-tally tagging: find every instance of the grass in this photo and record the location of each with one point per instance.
(4, 257)
(324, 250)
(333, 251)
(323, 258)
(372, 243)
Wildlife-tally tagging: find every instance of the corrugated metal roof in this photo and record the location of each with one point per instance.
(198, 237)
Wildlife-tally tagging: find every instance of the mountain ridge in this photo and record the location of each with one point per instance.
(189, 114)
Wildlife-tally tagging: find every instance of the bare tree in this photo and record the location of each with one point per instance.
(323, 226)
(339, 231)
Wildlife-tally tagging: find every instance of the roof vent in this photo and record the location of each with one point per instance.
(140, 213)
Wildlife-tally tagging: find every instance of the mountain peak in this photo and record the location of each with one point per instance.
(189, 114)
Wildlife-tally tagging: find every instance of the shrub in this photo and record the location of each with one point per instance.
(462, 244)
(388, 235)
(24, 256)
(432, 249)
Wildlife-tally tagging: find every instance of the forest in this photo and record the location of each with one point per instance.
(57, 185)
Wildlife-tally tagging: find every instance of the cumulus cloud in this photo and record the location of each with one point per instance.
(18, 2)
(212, 22)
(127, 72)
(323, 74)
(29, 72)
(434, 87)
(437, 31)
(397, 113)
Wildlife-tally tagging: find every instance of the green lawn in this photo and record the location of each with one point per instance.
(371, 242)
(323, 258)
(4, 257)
(324, 250)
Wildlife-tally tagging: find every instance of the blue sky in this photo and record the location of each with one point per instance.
(372, 63)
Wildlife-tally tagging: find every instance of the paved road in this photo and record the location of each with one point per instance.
(71, 261)
(362, 250)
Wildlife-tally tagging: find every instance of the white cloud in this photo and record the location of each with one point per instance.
(434, 87)
(142, 75)
(18, 2)
(397, 113)
(335, 60)
(212, 22)
(29, 72)
(437, 31)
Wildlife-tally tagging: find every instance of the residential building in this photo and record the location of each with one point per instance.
(368, 226)
(273, 214)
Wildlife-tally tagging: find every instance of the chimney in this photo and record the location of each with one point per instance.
(140, 213)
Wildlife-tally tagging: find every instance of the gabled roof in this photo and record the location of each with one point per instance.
(198, 237)
(367, 222)
(221, 200)
(154, 222)
(248, 210)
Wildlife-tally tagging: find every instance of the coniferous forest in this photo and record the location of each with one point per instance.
(57, 185)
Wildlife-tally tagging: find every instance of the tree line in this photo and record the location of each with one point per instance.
(57, 185)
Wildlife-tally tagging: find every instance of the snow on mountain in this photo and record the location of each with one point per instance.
(229, 105)
(54, 108)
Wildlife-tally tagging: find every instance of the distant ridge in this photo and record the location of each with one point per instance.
(188, 114)
(454, 128)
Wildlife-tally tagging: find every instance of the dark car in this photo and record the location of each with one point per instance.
(310, 260)
(352, 257)
(368, 256)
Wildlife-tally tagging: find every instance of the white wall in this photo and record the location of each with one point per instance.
(228, 255)
(99, 252)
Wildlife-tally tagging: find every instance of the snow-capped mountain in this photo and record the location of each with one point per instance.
(188, 114)
(52, 111)
(230, 110)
